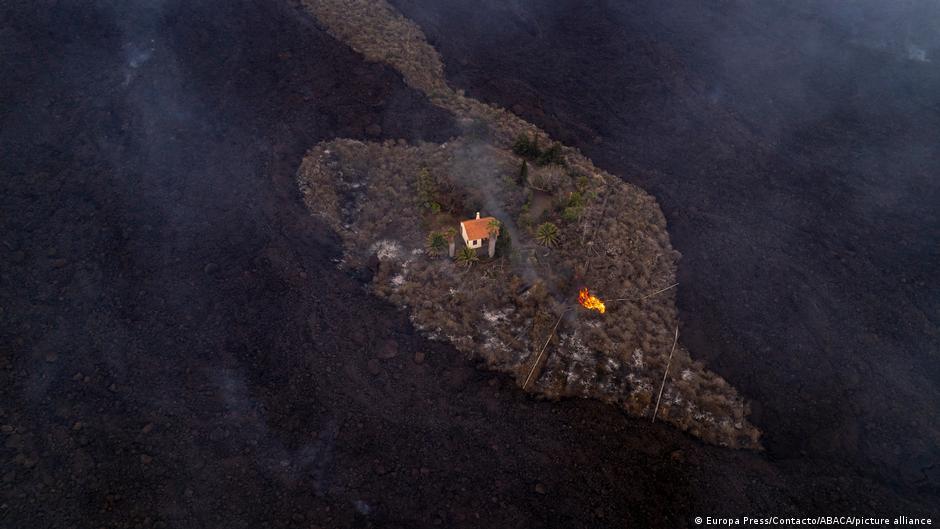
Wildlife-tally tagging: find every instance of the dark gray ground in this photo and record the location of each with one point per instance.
(794, 150)
(178, 348)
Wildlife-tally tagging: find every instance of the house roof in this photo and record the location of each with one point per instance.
(477, 228)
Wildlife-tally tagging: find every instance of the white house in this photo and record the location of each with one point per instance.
(477, 230)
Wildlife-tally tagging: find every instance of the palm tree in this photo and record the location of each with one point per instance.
(467, 256)
(450, 234)
(436, 243)
(547, 234)
(493, 227)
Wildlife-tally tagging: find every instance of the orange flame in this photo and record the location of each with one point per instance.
(590, 302)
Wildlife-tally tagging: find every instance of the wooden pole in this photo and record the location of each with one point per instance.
(539, 357)
(646, 296)
(663, 385)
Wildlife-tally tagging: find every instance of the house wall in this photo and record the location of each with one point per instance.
(470, 243)
(475, 243)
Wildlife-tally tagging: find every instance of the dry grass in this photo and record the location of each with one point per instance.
(503, 310)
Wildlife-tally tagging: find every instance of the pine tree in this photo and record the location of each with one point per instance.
(523, 177)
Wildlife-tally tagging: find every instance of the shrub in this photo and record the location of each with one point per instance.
(572, 207)
(504, 244)
(427, 188)
(551, 155)
(571, 214)
(547, 179)
(582, 183)
(575, 199)
(529, 149)
(525, 220)
(525, 147)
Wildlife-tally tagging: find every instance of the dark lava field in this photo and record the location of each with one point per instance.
(179, 348)
(794, 150)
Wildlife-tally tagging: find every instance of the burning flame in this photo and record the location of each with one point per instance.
(590, 302)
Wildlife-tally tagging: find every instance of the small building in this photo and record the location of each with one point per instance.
(477, 230)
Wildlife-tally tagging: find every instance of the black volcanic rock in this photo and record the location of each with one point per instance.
(791, 145)
(146, 139)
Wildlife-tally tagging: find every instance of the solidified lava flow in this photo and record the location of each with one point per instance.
(227, 297)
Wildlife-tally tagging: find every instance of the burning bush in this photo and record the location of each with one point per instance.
(591, 302)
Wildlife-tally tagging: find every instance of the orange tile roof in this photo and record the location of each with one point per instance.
(477, 228)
